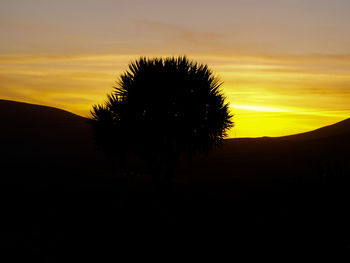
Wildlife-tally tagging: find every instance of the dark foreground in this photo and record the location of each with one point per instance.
(61, 200)
(55, 214)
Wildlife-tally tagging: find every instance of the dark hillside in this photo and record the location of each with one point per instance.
(341, 128)
(60, 195)
(33, 135)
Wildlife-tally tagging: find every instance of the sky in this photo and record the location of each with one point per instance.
(285, 64)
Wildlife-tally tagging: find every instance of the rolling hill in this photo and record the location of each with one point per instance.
(33, 135)
(285, 193)
(341, 128)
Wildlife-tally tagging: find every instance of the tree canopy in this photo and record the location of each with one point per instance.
(163, 105)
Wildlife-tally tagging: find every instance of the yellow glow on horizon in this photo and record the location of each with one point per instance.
(252, 122)
(259, 108)
(269, 96)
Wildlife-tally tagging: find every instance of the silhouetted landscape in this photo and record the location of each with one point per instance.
(60, 193)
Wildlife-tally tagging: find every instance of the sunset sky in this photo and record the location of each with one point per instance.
(285, 64)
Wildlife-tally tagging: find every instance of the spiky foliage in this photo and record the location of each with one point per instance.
(163, 104)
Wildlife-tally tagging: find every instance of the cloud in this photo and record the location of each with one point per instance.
(310, 87)
(177, 32)
(259, 108)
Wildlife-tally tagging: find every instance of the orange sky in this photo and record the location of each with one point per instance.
(285, 64)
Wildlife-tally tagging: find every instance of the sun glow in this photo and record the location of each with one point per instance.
(268, 96)
(283, 70)
(258, 108)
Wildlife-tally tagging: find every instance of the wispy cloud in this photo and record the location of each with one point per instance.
(174, 32)
(258, 108)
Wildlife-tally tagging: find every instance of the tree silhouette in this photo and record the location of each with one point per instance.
(160, 108)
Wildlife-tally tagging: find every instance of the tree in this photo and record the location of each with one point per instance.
(160, 108)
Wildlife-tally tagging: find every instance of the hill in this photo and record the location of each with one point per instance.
(59, 193)
(34, 135)
(41, 135)
(49, 138)
(312, 154)
(341, 128)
